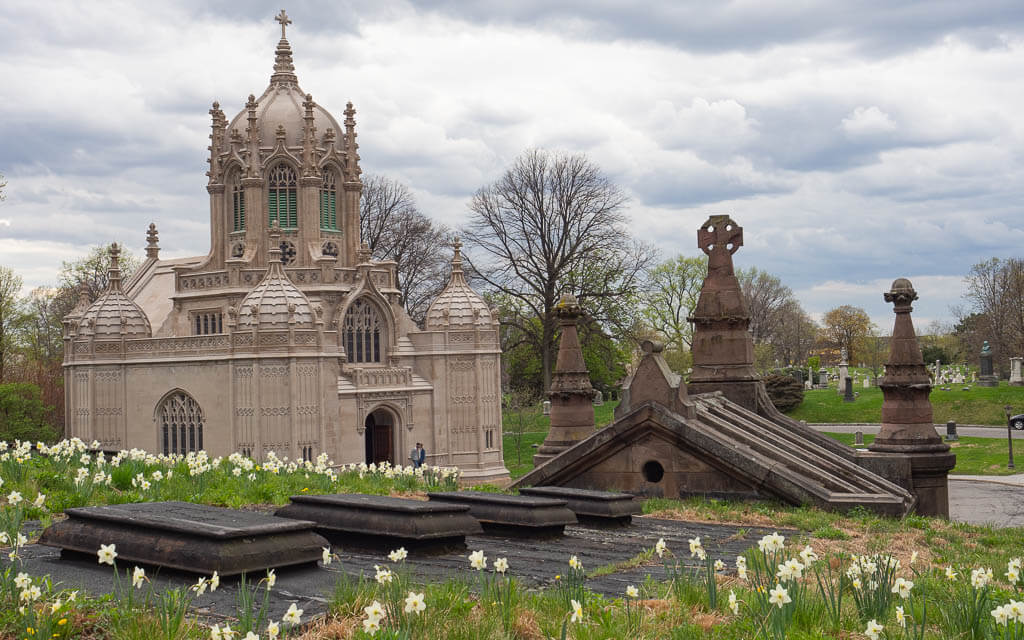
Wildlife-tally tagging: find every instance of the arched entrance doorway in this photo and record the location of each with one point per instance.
(380, 438)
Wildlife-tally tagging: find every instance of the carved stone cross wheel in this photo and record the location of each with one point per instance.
(720, 232)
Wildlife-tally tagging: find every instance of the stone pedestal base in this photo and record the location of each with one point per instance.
(742, 392)
(926, 475)
(930, 476)
(988, 381)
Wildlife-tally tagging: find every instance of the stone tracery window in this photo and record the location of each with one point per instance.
(363, 332)
(282, 198)
(180, 424)
(329, 201)
(237, 202)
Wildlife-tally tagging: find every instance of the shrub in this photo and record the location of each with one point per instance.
(23, 414)
(785, 392)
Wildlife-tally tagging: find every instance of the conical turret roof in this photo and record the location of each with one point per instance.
(113, 314)
(458, 305)
(275, 303)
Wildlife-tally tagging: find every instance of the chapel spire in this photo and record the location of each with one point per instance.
(284, 70)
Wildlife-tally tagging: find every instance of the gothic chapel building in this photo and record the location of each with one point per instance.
(286, 337)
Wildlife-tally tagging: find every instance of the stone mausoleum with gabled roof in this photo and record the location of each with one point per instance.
(286, 336)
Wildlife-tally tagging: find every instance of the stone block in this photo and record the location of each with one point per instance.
(516, 515)
(187, 537)
(592, 507)
(384, 522)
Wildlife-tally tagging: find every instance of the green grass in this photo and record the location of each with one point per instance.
(535, 426)
(980, 405)
(974, 456)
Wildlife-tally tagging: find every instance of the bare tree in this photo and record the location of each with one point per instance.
(670, 297)
(11, 317)
(91, 271)
(996, 290)
(394, 229)
(551, 224)
(795, 335)
(766, 298)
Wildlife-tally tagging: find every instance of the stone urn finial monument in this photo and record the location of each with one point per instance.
(571, 395)
(907, 422)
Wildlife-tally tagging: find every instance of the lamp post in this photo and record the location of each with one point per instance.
(1009, 435)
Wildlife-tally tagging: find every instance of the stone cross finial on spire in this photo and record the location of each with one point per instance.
(152, 238)
(284, 20)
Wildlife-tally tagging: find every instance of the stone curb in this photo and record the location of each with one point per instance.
(1018, 482)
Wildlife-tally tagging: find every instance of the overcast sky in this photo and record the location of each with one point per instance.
(855, 142)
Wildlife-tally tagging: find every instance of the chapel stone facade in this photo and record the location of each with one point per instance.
(286, 336)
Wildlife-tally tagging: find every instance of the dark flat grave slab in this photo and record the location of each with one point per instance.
(384, 522)
(516, 515)
(590, 506)
(187, 537)
(533, 562)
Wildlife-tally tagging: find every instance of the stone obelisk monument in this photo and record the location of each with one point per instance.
(723, 351)
(907, 424)
(572, 408)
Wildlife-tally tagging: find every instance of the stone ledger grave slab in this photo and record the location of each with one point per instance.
(591, 506)
(514, 515)
(383, 521)
(187, 537)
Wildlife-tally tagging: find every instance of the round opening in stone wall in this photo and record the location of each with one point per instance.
(653, 471)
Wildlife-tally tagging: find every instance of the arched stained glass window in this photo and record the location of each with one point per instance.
(237, 202)
(363, 332)
(180, 424)
(329, 201)
(282, 197)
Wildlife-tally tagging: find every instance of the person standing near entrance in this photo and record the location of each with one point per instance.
(418, 455)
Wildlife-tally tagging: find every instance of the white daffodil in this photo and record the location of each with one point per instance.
(913, 557)
(980, 578)
(326, 556)
(574, 563)
(902, 587)
(251, 636)
(719, 565)
(200, 586)
(14, 498)
(501, 565)
(696, 547)
(398, 554)
(106, 554)
(771, 542)
(660, 547)
(374, 611)
(215, 632)
(371, 626)
(1001, 614)
(273, 630)
(478, 560)
(632, 592)
(22, 581)
(577, 612)
(414, 603)
(874, 630)
(40, 501)
(808, 556)
(779, 596)
(734, 604)
(950, 574)
(271, 579)
(901, 619)
(293, 615)
(138, 577)
(214, 582)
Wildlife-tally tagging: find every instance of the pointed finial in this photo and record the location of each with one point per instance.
(364, 253)
(284, 20)
(114, 272)
(152, 237)
(284, 70)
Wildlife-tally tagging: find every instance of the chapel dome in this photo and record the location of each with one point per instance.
(275, 303)
(458, 306)
(113, 314)
(282, 104)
